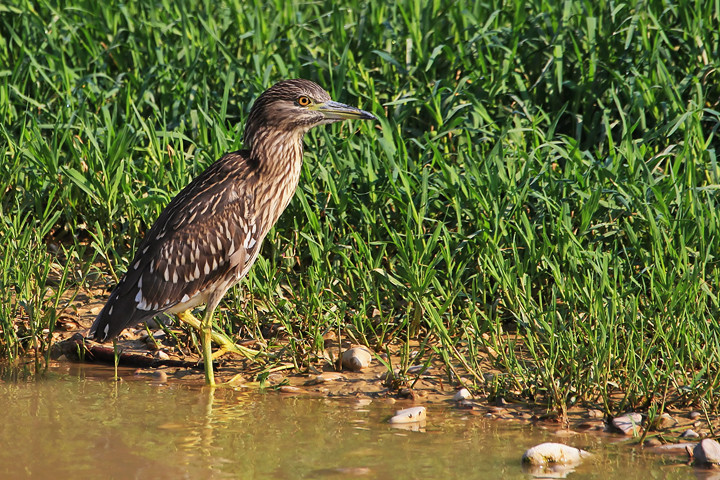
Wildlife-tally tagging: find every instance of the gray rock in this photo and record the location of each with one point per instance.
(462, 394)
(707, 452)
(356, 358)
(689, 434)
(628, 424)
(694, 415)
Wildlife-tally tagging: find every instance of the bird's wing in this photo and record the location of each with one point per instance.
(200, 243)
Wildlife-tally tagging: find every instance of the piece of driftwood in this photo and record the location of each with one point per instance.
(79, 348)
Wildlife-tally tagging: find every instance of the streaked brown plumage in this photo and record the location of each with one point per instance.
(209, 235)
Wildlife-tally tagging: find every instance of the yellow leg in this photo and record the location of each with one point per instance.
(207, 336)
(206, 340)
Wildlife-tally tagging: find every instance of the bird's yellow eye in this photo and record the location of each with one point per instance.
(303, 101)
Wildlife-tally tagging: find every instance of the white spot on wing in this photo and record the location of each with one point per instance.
(185, 298)
(138, 297)
(175, 277)
(106, 329)
(207, 269)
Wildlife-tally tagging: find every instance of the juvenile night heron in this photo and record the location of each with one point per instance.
(209, 235)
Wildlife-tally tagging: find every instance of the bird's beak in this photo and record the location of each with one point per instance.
(339, 111)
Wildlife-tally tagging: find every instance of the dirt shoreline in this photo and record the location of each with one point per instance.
(161, 360)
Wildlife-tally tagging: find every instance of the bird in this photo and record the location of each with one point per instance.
(209, 235)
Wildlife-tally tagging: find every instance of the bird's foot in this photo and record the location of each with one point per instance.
(220, 339)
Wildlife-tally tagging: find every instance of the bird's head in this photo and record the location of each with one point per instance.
(292, 107)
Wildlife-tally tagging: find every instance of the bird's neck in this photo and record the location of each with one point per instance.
(278, 155)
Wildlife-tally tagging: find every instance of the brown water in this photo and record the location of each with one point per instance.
(81, 425)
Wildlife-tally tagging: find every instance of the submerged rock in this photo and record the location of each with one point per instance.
(554, 453)
(356, 358)
(707, 452)
(409, 415)
(628, 424)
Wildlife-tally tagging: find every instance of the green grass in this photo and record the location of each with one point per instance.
(543, 180)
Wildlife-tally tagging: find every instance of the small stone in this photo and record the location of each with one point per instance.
(324, 378)
(409, 415)
(415, 369)
(707, 452)
(652, 442)
(665, 421)
(362, 402)
(689, 433)
(408, 393)
(290, 389)
(501, 402)
(592, 424)
(356, 358)
(462, 394)
(594, 413)
(466, 404)
(695, 415)
(160, 355)
(159, 376)
(628, 424)
(674, 448)
(554, 453)
(275, 378)
(152, 343)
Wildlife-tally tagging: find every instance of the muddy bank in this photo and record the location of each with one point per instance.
(165, 358)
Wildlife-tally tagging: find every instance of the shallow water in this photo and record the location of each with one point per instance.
(78, 424)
